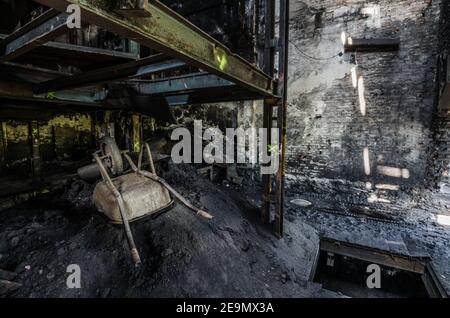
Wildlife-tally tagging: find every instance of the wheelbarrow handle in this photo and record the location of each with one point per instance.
(134, 252)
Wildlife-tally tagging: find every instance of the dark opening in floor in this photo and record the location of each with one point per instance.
(355, 270)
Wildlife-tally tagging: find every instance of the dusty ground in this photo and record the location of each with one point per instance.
(183, 256)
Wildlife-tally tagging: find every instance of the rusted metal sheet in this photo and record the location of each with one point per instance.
(171, 34)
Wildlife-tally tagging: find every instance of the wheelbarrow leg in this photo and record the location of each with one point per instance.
(134, 252)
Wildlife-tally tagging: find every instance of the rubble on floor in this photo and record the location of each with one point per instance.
(183, 256)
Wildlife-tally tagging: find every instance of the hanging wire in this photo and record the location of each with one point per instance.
(316, 58)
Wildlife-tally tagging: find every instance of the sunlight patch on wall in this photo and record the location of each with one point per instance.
(361, 94)
(366, 157)
(393, 172)
(354, 77)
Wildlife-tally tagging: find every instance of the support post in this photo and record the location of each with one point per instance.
(33, 132)
(273, 185)
(283, 52)
(136, 132)
(268, 66)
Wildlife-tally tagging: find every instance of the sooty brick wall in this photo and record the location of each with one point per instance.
(362, 116)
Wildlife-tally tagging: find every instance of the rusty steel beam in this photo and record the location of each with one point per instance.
(34, 34)
(170, 33)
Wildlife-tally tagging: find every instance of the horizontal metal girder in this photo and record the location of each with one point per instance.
(21, 93)
(372, 45)
(143, 67)
(36, 33)
(171, 34)
(180, 84)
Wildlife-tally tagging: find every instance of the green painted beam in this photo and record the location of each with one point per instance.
(171, 34)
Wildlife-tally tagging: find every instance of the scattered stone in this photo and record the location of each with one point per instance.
(246, 246)
(187, 258)
(27, 267)
(301, 203)
(61, 251)
(284, 278)
(105, 293)
(50, 276)
(167, 252)
(73, 246)
(15, 241)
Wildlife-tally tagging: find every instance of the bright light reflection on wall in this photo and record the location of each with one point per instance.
(366, 161)
(393, 172)
(362, 98)
(354, 77)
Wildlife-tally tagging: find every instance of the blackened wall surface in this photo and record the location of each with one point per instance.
(232, 22)
(362, 116)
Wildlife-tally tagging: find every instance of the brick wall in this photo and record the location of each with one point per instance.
(373, 126)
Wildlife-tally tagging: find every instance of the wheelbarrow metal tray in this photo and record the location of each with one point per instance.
(142, 197)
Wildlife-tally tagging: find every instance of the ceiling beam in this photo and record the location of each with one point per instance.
(177, 85)
(139, 68)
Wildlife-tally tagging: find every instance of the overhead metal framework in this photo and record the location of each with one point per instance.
(188, 66)
(168, 32)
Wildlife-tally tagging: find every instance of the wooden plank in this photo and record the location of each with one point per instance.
(375, 256)
(372, 45)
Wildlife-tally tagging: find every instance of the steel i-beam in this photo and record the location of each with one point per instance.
(169, 33)
(176, 85)
(39, 31)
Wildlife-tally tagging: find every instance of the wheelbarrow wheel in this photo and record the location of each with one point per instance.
(109, 148)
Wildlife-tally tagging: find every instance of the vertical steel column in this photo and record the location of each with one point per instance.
(268, 67)
(273, 186)
(2, 146)
(283, 55)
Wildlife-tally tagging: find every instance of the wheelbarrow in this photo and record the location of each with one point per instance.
(130, 197)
